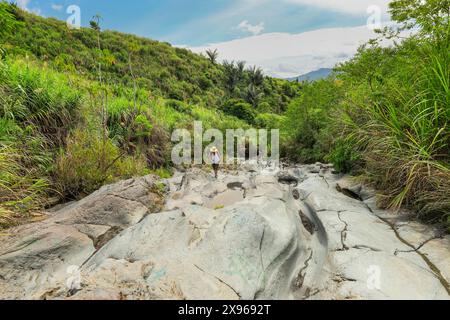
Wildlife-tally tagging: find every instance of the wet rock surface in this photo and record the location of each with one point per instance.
(254, 233)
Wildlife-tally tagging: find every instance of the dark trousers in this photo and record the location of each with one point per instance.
(216, 168)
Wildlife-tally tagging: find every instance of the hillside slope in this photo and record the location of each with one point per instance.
(166, 71)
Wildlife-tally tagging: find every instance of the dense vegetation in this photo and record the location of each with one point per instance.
(81, 108)
(385, 114)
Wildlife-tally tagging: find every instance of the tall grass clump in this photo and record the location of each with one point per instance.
(37, 97)
(23, 190)
(37, 109)
(88, 162)
(398, 121)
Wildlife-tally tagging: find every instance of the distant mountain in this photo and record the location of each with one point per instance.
(314, 75)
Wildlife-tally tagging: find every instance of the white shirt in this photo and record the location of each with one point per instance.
(215, 159)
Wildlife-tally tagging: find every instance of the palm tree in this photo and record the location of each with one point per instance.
(253, 95)
(240, 65)
(95, 22)
(256, 76)
(212, 55)
(232, 77)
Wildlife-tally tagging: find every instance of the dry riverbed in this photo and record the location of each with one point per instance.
(254, 233)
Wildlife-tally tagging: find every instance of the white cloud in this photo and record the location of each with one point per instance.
(36, 11)
(253, 29)
(57, 7)
(289, 55)
(347, 6)
(24, 4)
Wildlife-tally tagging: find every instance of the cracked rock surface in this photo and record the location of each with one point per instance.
(303, 233)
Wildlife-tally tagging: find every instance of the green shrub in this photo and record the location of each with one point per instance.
(163, 173)
(143, 126)
(264, 107)
(177, 105)
(305, 132)
(269, 121)
(240, 109)
(345, 157)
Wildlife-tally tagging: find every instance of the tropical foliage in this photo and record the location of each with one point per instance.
(385, 114)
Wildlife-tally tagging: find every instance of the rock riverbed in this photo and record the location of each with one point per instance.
(302, 233)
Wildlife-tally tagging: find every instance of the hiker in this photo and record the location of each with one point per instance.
(215, 160)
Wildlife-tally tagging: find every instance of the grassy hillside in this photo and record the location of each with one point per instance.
(158, 67)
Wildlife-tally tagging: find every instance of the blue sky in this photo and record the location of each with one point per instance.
(198, 24)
